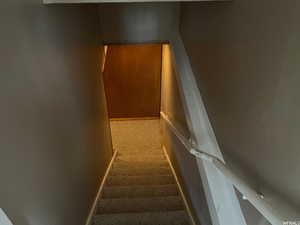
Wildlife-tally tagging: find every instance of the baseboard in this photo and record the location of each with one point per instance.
(99, 193)
(185, 202)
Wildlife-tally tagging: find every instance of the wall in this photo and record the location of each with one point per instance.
(133, 86)
(245, 57)
(184, 163)
(54, 131)
(138, 22)
(252, 215)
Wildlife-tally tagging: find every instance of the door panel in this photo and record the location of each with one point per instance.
(132, 79)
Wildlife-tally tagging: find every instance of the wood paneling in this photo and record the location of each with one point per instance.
(132, 78)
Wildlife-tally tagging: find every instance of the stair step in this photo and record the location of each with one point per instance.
(141, 148)
(140, 191)
(141, 151)
(141, 158)
(122, 164)
(133, 205)
(139, 180)
(132, 171)
(149, 218)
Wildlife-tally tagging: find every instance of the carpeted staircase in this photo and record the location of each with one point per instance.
(140, 190)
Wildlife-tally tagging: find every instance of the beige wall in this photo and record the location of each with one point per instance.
(245, 55)
(54, 132)
(185, 164)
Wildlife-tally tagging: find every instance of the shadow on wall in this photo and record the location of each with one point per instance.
(138, 22)
(51, 162)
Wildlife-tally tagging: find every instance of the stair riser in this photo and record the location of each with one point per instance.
(141, 149)
(139, 165)
(125, 205)
(140, 171)
(138, 152)
(165, 218)
(144, 180)
(140, 191)
(141, 160)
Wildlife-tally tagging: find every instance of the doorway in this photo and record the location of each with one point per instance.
(132, 80)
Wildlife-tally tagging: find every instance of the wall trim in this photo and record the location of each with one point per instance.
(99, 193)
(224, 206)
(4, 220)
(185, 202)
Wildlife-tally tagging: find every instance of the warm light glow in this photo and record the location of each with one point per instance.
(104, 57)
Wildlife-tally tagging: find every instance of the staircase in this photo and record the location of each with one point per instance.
(140, 188)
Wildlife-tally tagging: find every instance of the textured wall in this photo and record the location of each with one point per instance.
(54, 146)
(185, 164)
(245, 55)
(138, 22)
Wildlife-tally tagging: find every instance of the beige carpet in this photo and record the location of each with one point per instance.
(140, 188)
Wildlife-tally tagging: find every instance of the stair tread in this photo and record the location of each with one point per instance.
(141, 164)
(139, 148)
(140, 191)
(134, 171)
(141, 158)
(178, 217)
(139, 152)
(139, 180)
(132, 205)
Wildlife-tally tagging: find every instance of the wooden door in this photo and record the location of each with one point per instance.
(132, 79)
